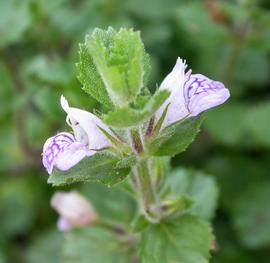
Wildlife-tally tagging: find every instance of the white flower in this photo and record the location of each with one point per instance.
(74, 210)
(65, 150)
(190, 94)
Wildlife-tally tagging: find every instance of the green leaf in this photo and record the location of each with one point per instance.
(248, 121)
(178, 205)
(186, 239)
(252, 60)
(127, 117)
(90, 79)
(18, 215)
(7, 95)
(199, 186)
(14, 21)
(234, 113)
(46, 248)
(175, 138)
(234, 170)
(111, 203)
(101, 167)
(139, 223)
(95, 245)
(251, 216)
(257, 121)
(2, 256)
(121, 62)
(127, 161)
(53, 70)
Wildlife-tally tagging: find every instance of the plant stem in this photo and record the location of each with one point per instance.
(143, 180)
(148, 199)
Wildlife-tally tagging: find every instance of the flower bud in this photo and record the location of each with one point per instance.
(74, 210)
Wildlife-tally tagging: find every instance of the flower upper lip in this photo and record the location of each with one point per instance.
(85, 126)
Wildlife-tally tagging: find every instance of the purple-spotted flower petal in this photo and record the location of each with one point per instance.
(74, 210)
(65, 150)
(191, 94)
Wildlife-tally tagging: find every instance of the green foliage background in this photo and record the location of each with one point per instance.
(225, 40)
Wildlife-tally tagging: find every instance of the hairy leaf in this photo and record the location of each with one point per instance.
(186, 239)
(90, 79)
(121, 62)
(175, 138)
(101, 167)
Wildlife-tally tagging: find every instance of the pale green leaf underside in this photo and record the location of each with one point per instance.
(101, 167)
(127, 117)
(186, 239)
(175, 138)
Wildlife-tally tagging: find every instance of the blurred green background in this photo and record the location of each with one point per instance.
(225, 40)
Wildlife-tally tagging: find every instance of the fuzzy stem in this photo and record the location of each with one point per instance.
(143, 180)
(148, 201)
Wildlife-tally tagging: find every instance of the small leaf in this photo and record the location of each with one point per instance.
(97, 245)
(175, 138)
(100, 167)
(127, 117)
(186, 239)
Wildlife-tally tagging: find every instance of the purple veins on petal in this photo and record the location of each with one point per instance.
(202, 93)
(53, 147)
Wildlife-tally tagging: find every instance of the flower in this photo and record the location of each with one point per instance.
(65, 150)
(74, 210)
(190, 95)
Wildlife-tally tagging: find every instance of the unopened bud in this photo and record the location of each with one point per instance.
(74, 210)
